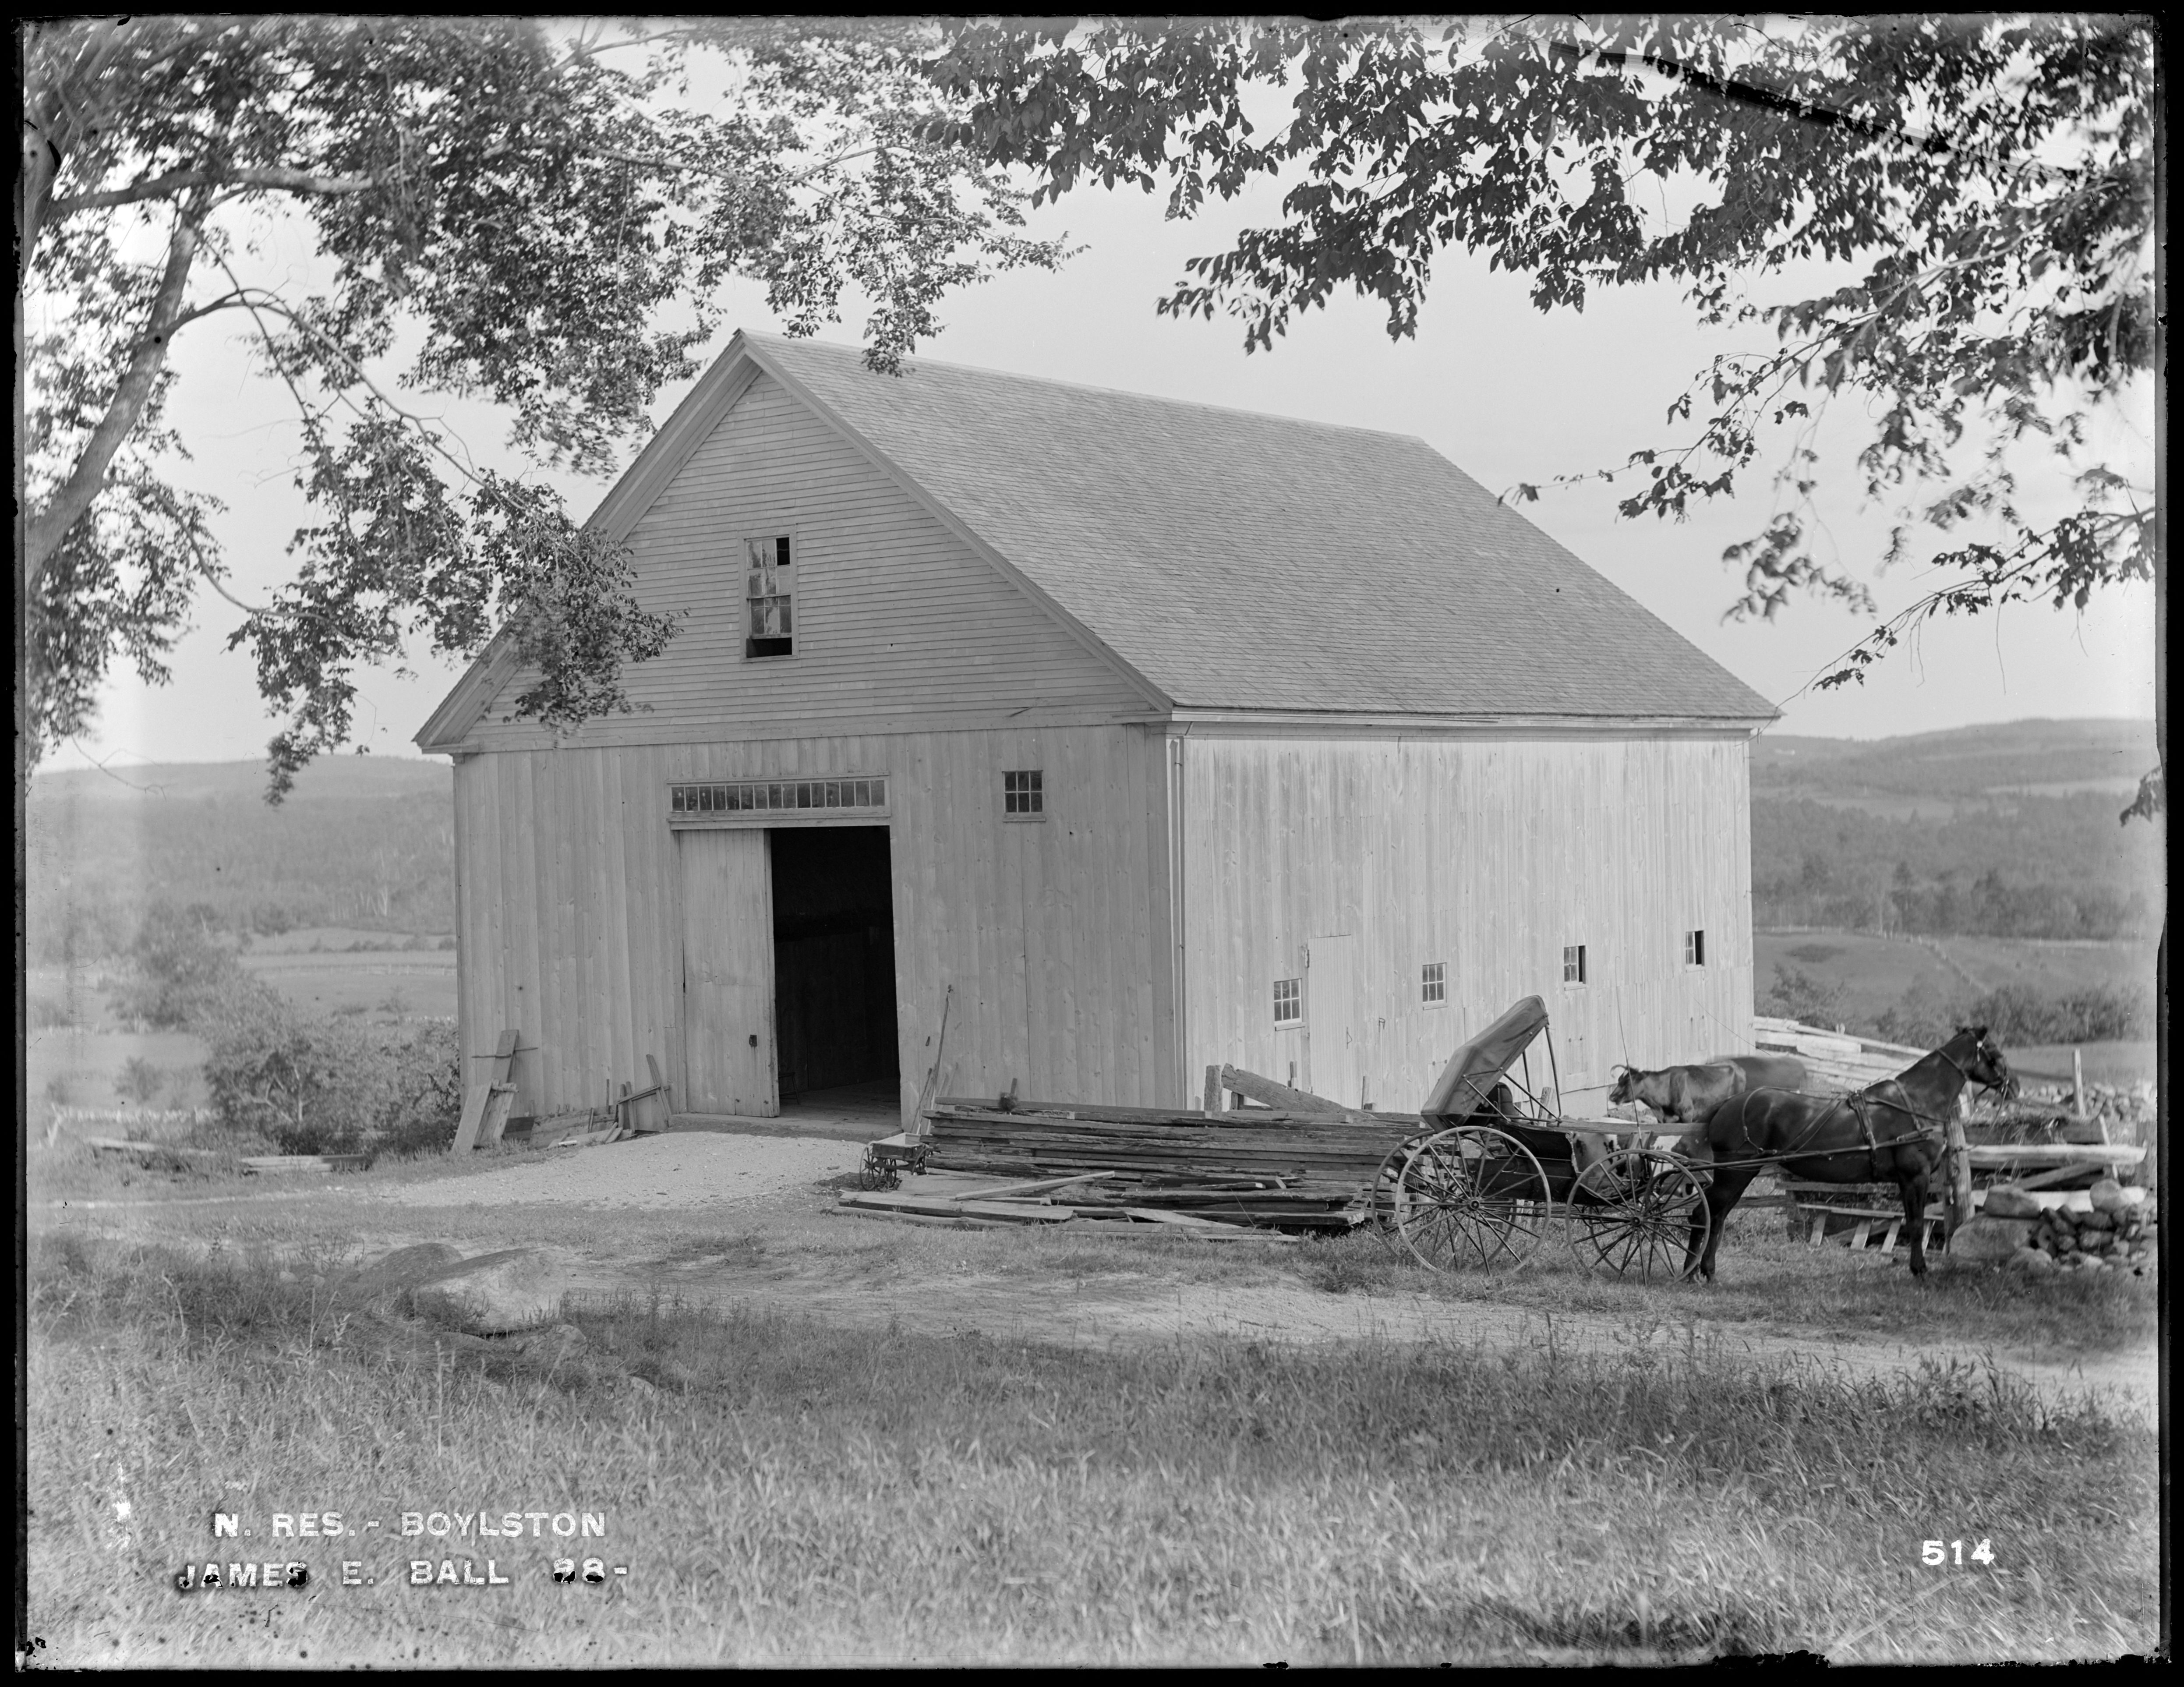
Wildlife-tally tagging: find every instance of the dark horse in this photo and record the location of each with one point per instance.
(1891, 1133)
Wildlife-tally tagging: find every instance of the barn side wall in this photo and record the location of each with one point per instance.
(569, 899)
(1488, 856)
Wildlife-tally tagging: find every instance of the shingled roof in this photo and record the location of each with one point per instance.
(1254, 562)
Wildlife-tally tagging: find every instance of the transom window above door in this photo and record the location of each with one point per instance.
(769, 597)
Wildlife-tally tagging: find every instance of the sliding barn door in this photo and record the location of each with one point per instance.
(727, 975)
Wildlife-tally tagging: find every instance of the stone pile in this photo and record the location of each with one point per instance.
(2114, 1234)
(2042, 1113)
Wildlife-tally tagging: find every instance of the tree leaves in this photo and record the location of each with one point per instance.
(521, 204)
(1993, 180)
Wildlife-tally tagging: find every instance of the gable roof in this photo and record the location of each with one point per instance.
(1232, 560)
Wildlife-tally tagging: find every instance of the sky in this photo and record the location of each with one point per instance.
(1505, 392)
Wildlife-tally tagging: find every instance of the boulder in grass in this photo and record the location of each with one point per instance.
(1989, 1239)
(2008, 1203)
(2107, 1196)
(495, 1293)
(403, 1268)
(2032, 1262)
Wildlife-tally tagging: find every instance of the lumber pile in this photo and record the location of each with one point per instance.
(1300, 1171)
(1836, 1062)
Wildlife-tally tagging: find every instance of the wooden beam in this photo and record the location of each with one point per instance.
(1280, 1097)
(495, 1120)
(466, 1132)
(1215, 1097)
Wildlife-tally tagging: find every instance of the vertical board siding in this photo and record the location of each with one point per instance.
(570, 904)
(1489, 857)
(893, 614)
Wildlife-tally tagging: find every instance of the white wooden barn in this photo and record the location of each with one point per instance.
(1168, 735)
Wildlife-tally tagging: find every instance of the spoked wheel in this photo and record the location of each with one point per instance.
(1632, 1213)
(1381, 1203)
(1472, 1196)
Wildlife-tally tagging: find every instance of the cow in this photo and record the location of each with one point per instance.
(1689, 1094)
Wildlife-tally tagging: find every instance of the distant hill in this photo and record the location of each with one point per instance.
(2000, 831)
(362, 841)
(2042, 757)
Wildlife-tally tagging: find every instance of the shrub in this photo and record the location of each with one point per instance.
(425, 1098)
(318, 1084)
(139, 1081)
(181, 967)
(49, 1015)
(1797, 994)
(307, 1083)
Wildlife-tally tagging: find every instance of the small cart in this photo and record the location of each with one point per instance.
(888, 1159)
(1481, 1184)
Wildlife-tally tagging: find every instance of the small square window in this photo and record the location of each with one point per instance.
(769, 597)
(1024, 793)
(1694, 949)
(1432, 984)
(1289, 1001)
(1573, 964)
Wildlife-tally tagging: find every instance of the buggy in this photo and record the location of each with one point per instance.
(1494, 1164)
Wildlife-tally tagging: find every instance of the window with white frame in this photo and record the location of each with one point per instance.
(769, 597)
(1289, 1001)
(1432, 984)
(1023, 794)
(1694, 949)
(1573, 964)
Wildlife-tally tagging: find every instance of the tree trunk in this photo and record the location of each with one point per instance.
(85, 481)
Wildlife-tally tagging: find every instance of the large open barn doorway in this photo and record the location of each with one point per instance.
(834, 945)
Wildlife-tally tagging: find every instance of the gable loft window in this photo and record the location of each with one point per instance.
(1023, 794)
(1432, 984)
(1694, 949)
(1573, 964)
(769, 594)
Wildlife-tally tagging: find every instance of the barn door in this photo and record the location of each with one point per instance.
(1332, 1055)
(727, 975)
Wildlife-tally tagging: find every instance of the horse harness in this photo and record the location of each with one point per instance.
(1858, 1104)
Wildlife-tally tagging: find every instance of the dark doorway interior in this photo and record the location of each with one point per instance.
(834, 956)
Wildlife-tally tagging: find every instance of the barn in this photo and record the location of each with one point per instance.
(1164, 734)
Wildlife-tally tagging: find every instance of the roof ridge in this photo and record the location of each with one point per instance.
(1089, 387)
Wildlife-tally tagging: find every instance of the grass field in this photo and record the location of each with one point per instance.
(781, 1491)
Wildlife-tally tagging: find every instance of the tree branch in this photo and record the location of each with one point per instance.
(181, 181)
(43, 535)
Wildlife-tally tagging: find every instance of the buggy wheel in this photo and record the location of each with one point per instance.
(1472, 1196)
(1632, 1214)
(1381, 1194)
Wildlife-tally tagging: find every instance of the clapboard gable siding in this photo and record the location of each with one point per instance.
(894, 615)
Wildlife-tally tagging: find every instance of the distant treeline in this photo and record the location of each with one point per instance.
(382, 864)
(2033, 867)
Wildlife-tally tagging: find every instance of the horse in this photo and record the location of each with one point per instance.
(1689, 1094)
(1891, 1131)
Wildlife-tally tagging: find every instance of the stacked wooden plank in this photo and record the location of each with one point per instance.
(1836, 1062)
(1250, 1166)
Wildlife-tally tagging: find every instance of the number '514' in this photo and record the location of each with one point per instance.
(1937, 1552)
